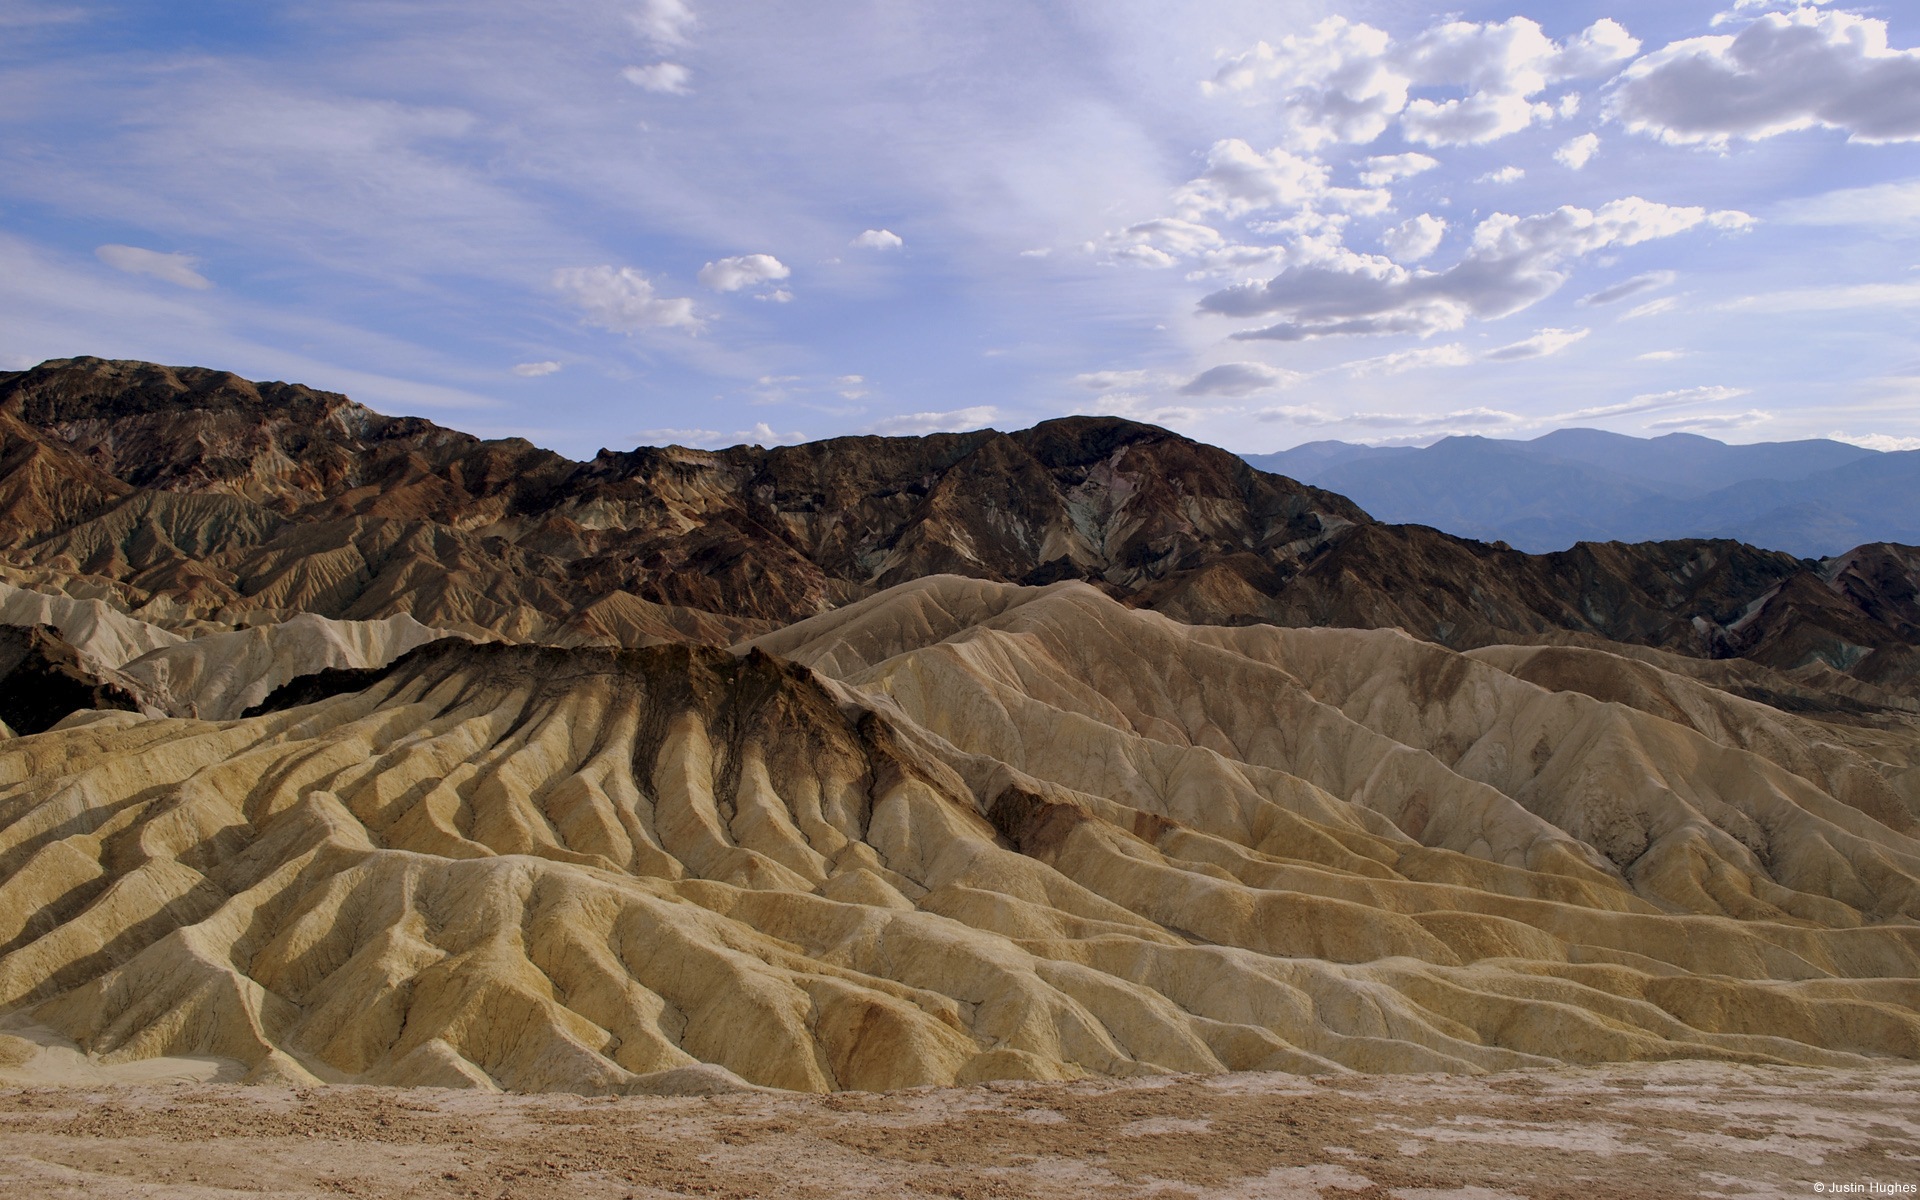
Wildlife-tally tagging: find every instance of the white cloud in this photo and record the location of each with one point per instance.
(879, 239)
(776, 296)
(1238, 379)
(1656, 402)
(1579, 152)
(622, 300)
(1877, 441)
(1347, 82)
(1832, 299)
(1336, 82)
(533, 370)
(1742, 420)
(177, 269)
(1651, 308)
(1540, 345)
(957, 420)
(761, 434)
(1511, 263)
(1239, 180)
(1387, 168)
(1629, 287)
(663, 21)
(1661, 355)
(1465, 418)
(1414, 238)
(745, 270)
(1882, 206)
(1297, 414)
(1453, 354)
(1110, 381)
(1503, 175)
(1470, 120)
(1503, 65)
(1784, 72)
(667, 78)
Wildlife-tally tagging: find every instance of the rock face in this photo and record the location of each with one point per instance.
(43, 680)
(194, 495)
(963, 831)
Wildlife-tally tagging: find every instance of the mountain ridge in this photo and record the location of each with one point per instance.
(207, 498)
(1814, 498)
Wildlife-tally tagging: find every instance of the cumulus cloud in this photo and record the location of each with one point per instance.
(1629, 287)
(1386, 168)
(1540, 345)
(1414, 238)
(1347, 82)
(1656, 402)
(1503, 65)
(534, 370)
(622, 300)
(1661, 356)
(1238, 379)
(1240, 179)
(1578, 152)
(177, 269)
(1784, 72)
(1511, 263)
(667, 78)
(879, 239)
(1337, 82)
(953, 421)
(745, 270)
(1503, 175)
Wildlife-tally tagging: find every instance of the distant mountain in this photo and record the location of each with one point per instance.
(1813, 498)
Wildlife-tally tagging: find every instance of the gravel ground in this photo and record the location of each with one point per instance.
(1644, 1130)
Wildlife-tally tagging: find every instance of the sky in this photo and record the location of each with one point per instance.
(609, 223)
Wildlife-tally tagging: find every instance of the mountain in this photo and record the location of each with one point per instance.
(202, 502)
(359, 750)
(1811, 498)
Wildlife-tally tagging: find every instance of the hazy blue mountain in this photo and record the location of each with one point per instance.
(1812, 498)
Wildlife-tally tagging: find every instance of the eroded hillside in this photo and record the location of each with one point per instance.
(963, 831)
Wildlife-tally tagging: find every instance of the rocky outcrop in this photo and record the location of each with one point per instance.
(191, 495)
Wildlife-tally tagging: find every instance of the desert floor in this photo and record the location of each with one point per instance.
(1675, 1129)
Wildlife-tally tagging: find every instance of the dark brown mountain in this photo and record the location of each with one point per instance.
(197, 493)
(43, 679)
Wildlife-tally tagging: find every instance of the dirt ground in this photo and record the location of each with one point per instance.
(1647, 1130)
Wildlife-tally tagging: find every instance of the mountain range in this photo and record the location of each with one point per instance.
(353, 749)
(1814, 498)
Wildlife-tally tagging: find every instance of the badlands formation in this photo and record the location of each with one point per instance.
(391, 756)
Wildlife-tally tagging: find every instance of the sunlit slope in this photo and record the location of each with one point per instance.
(964, 830)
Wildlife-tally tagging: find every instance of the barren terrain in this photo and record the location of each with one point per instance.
(1621, 1131)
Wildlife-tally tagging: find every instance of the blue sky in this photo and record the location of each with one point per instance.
(595, 223)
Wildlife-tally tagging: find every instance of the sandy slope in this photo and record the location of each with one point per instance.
(961, 832)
